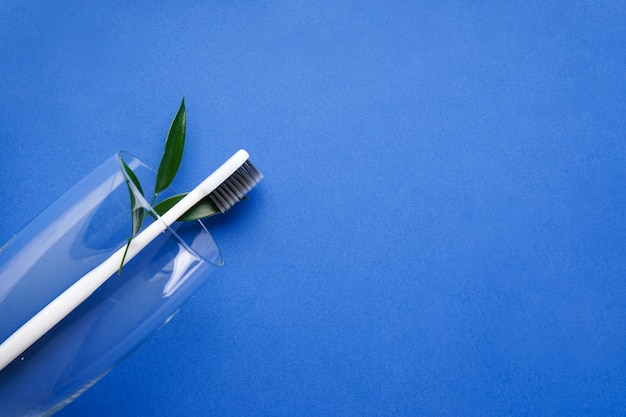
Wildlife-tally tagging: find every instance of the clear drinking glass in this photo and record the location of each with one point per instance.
(75, 234)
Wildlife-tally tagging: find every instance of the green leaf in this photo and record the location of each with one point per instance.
(168, 203)
(173, 153)
(204, 208)
(137, 210)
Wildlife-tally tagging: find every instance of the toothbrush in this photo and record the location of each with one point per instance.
(225, 187)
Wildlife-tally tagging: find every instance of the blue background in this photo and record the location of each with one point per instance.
(442, 226)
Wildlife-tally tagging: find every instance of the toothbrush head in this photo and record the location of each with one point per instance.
(236, 186)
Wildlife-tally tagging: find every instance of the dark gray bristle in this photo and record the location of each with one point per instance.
(236, 186)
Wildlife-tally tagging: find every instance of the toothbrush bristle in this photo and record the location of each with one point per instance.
(236, 186)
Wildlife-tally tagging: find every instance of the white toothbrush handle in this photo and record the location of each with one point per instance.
(64, 304)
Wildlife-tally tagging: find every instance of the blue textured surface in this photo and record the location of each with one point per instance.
(442, 227)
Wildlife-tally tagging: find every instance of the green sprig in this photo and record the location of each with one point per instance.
(168, 167)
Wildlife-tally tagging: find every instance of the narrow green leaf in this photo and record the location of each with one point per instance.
(168, 203)
(204, 208)
(137, 210)
(173, 153)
